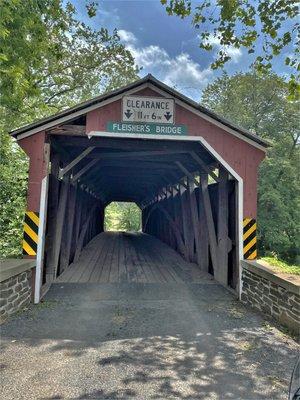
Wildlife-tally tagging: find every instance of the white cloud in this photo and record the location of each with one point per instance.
(126, 36)
(179, 71)
(231, 51)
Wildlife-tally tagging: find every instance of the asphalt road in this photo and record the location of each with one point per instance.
(143, 341)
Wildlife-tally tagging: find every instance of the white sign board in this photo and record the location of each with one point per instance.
(148, 109)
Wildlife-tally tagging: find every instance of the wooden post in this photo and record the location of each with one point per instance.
(66, 249)
(210, 222)
(174, 227)
(53, 264)
(189, 223)
(204, 248)
(222, 272)
(79, 217)
(184, 223)
(83, 233)
(195, 219)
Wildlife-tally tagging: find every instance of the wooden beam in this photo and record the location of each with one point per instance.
(222, 272)
(60, 220)
(185, 224)
(204, 247)
(83, 233)
(210, 222)
(195, 219)
(204, 166)
(172, 224)
(186, 172)
(68, 129)
(83, 170)
(66, 250)
(137, 164)
(176, 230)
(52, 205)
(121, 144)
(133, 154)
(76, 160)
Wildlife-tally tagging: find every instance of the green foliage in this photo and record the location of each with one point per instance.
(260, 103)
(259, 26)
(282, 266)
(49, 60)
(122, 217)
(13, 184)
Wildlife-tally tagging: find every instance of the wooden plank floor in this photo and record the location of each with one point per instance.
(113, 257)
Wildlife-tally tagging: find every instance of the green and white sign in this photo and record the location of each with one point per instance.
(147, 129)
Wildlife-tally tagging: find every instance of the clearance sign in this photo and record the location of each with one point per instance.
(147, 115)
(157, 110)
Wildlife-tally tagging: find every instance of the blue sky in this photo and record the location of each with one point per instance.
(166, 46)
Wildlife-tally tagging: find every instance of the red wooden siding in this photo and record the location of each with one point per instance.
(34, 147)
(241, 156)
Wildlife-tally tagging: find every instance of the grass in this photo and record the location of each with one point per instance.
(282, 266)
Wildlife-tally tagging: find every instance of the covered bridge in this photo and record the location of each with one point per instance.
(192, 173)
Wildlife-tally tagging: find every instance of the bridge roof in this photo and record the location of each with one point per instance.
(83, 107)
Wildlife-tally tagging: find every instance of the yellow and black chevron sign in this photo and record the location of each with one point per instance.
(31, 228)
(249, 239)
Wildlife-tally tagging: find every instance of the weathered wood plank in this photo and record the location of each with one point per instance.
(204, 246)
(66, 248)
(147, 260)
(83, 233)
(195, 220)
(210, 222)
(204, 166)
(74, 162)
(60, 218)
(221, 274)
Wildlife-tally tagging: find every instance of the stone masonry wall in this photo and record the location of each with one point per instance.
(15, 294)
(272, 298)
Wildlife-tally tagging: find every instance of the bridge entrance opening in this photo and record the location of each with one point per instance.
(187, 198)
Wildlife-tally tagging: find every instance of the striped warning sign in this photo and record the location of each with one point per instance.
(249, 239)
(31, 228)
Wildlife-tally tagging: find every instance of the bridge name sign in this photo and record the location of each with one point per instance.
(148, 129)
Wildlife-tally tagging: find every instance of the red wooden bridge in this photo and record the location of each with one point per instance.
(192, 173)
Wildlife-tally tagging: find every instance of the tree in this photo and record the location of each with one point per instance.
(122, 217)
(49, 60)
(13, 185)
(259, 103)
(259, 26)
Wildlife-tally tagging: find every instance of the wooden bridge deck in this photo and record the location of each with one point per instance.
(113, 257)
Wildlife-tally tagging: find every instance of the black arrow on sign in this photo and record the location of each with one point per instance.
(168, 115)
(128, 114)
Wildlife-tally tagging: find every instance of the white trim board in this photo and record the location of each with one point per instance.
(145, 85)
(41, 239)
(76, 114)
(211, 120)
(216, 155)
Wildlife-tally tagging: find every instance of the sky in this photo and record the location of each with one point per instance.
(166, 46)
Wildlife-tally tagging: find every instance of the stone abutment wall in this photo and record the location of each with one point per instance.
(271, 294)
(15, 290)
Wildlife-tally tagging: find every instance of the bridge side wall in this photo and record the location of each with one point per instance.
(271, 294)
